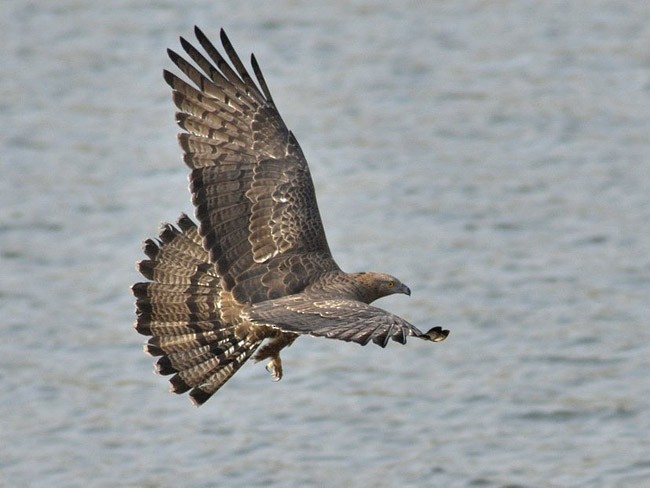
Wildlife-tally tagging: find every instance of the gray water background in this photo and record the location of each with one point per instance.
(494, 155)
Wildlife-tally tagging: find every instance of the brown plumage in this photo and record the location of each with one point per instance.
(258, 267)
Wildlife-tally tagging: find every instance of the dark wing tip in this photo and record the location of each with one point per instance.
(436, 334)
(224, 39)
(173, 55)
(202, 38)
(184, 44)
(260, 79)
(382, 339)
(169, 77)
(400, 335)
(198, 32)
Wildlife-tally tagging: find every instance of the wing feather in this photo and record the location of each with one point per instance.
(239, 66)
(260, 78)
(335, 318)
(228, 73)
(250, 182)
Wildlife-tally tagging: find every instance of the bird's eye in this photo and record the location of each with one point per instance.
(390, 284)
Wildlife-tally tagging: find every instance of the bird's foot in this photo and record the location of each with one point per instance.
(274, 366)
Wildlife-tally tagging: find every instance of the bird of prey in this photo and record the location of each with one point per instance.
(256, 272)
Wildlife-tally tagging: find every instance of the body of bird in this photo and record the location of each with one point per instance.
(257, 271)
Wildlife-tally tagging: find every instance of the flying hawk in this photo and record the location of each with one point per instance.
(257, 270)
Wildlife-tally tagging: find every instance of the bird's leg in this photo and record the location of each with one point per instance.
(274, 366)
(272, 350)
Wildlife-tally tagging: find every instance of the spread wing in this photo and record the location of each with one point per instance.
(250, 182)
(337, 318)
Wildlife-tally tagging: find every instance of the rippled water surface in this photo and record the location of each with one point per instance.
(493, 155)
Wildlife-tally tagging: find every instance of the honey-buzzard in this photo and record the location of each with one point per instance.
(257, 272)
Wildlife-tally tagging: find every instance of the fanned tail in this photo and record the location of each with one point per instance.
(211, 370)
(179, 308)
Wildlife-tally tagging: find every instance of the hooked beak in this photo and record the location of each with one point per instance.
(405, 289)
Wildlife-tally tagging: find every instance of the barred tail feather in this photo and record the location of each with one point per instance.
(201, 368)
(179, 309)
(183, 294)
(220, 375)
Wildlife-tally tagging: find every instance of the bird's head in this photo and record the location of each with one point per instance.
(389, 285)
(379, 285)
